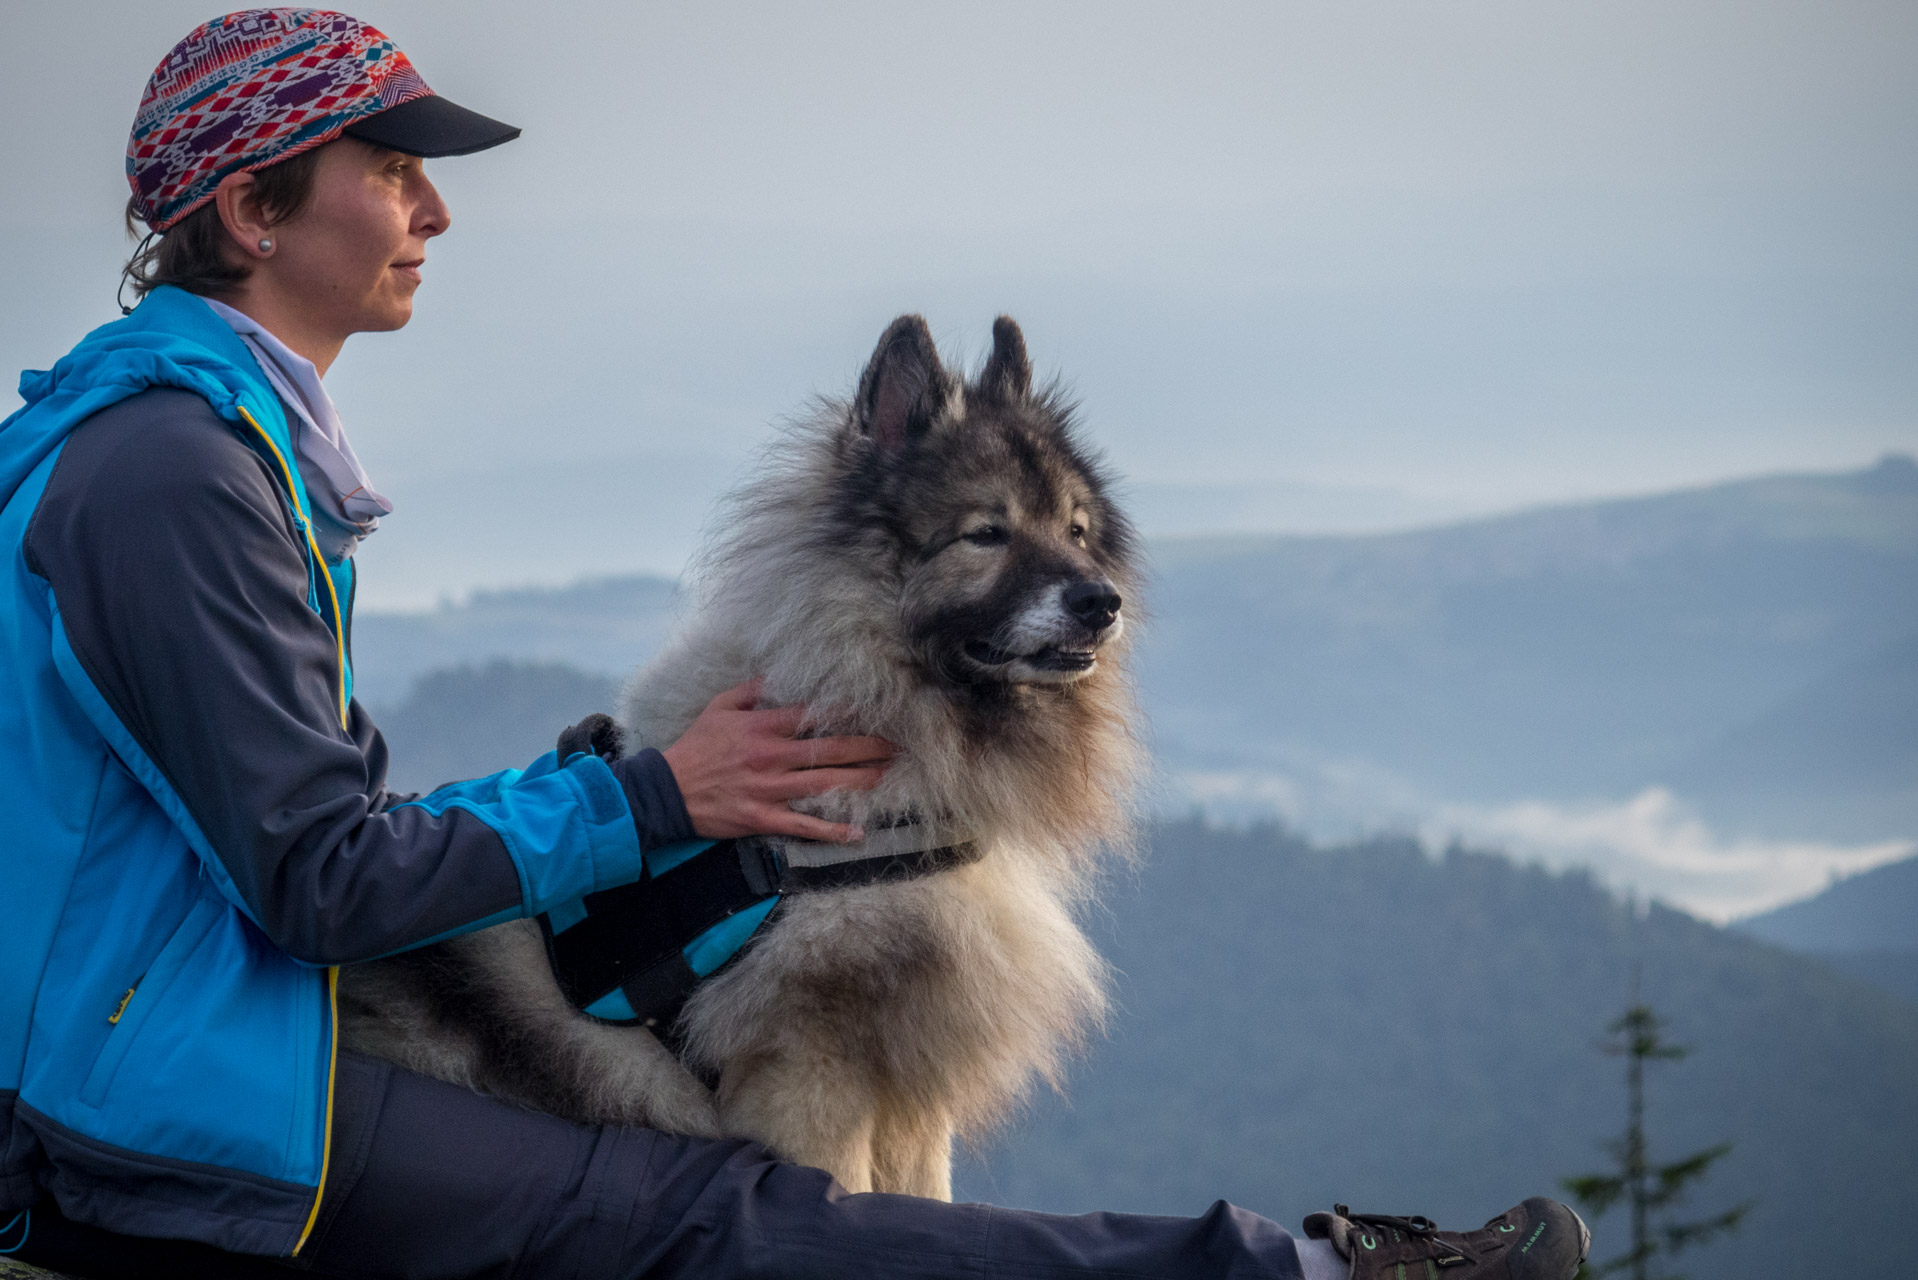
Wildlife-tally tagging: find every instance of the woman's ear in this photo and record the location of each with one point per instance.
(237, 198)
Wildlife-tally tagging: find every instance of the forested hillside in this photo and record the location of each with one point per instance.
(1866, 926)
(469, 721)
(1299, 1025)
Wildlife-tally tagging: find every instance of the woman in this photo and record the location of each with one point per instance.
(197, 826)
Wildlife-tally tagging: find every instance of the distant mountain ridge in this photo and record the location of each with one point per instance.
(605, 626)
(1876, 910)
(1875, 506)
(1565, 653)
(1840, 754)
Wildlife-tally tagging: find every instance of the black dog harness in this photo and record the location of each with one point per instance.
(633, 955)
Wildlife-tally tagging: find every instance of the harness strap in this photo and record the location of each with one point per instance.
(633, 938)
(899, 837)
(884, 868)
(635, 954)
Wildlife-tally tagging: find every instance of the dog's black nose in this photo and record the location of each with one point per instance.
(1094, 603)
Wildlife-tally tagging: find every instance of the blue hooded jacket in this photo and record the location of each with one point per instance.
(194, 827)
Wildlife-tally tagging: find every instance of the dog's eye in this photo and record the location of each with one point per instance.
(1078, 533)
(991, 535)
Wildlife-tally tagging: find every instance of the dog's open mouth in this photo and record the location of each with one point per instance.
(1051, 658)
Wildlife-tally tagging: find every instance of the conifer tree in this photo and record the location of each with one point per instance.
(1650, 1190)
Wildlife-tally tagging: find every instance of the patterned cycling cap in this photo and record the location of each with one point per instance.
(253, 88)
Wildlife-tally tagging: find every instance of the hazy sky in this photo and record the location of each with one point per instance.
(1482, 252)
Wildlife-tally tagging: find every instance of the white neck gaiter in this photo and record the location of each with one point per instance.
(346, 507)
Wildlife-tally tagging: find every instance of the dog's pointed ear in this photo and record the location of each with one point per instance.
(1008, 373)
(903, 386)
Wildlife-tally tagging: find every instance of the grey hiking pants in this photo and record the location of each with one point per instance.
(433, 1182)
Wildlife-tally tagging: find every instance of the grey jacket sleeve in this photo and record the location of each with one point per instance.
(182, 585)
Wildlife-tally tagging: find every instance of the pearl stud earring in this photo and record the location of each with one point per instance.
(266, 245)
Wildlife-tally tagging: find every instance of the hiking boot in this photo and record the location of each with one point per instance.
(1539, 1240)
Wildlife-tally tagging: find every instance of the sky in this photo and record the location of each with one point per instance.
(1307, 265)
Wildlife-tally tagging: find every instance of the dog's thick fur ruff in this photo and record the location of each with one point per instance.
(897, 566)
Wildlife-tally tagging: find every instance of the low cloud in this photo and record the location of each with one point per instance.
(1654, 845)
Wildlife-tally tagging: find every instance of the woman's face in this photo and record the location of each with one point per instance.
(352, 257)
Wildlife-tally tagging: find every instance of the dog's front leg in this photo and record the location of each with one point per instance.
(811, 1108)
(912, 1152)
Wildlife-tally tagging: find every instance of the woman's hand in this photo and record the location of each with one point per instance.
(737, 768)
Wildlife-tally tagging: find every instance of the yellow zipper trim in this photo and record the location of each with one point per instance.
(293, 490)
(332, 1068)
(333, 972)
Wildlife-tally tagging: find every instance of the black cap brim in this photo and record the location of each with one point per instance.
(432, 127)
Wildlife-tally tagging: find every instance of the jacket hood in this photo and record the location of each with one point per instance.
(172, 339)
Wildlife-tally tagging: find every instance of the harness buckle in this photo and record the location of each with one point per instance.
(762, 863)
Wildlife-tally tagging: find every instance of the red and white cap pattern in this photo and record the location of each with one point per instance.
(251, 89)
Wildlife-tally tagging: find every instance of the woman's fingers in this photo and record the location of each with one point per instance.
(814, 753)
(741, 697)
(812, 782)
(737, 765)
(785, 822)
(783, 721)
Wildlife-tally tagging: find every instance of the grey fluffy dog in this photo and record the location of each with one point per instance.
(936, 562)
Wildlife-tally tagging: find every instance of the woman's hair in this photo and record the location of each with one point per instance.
(192, 254)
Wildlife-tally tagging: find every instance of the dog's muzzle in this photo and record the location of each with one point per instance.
(1059, 639)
